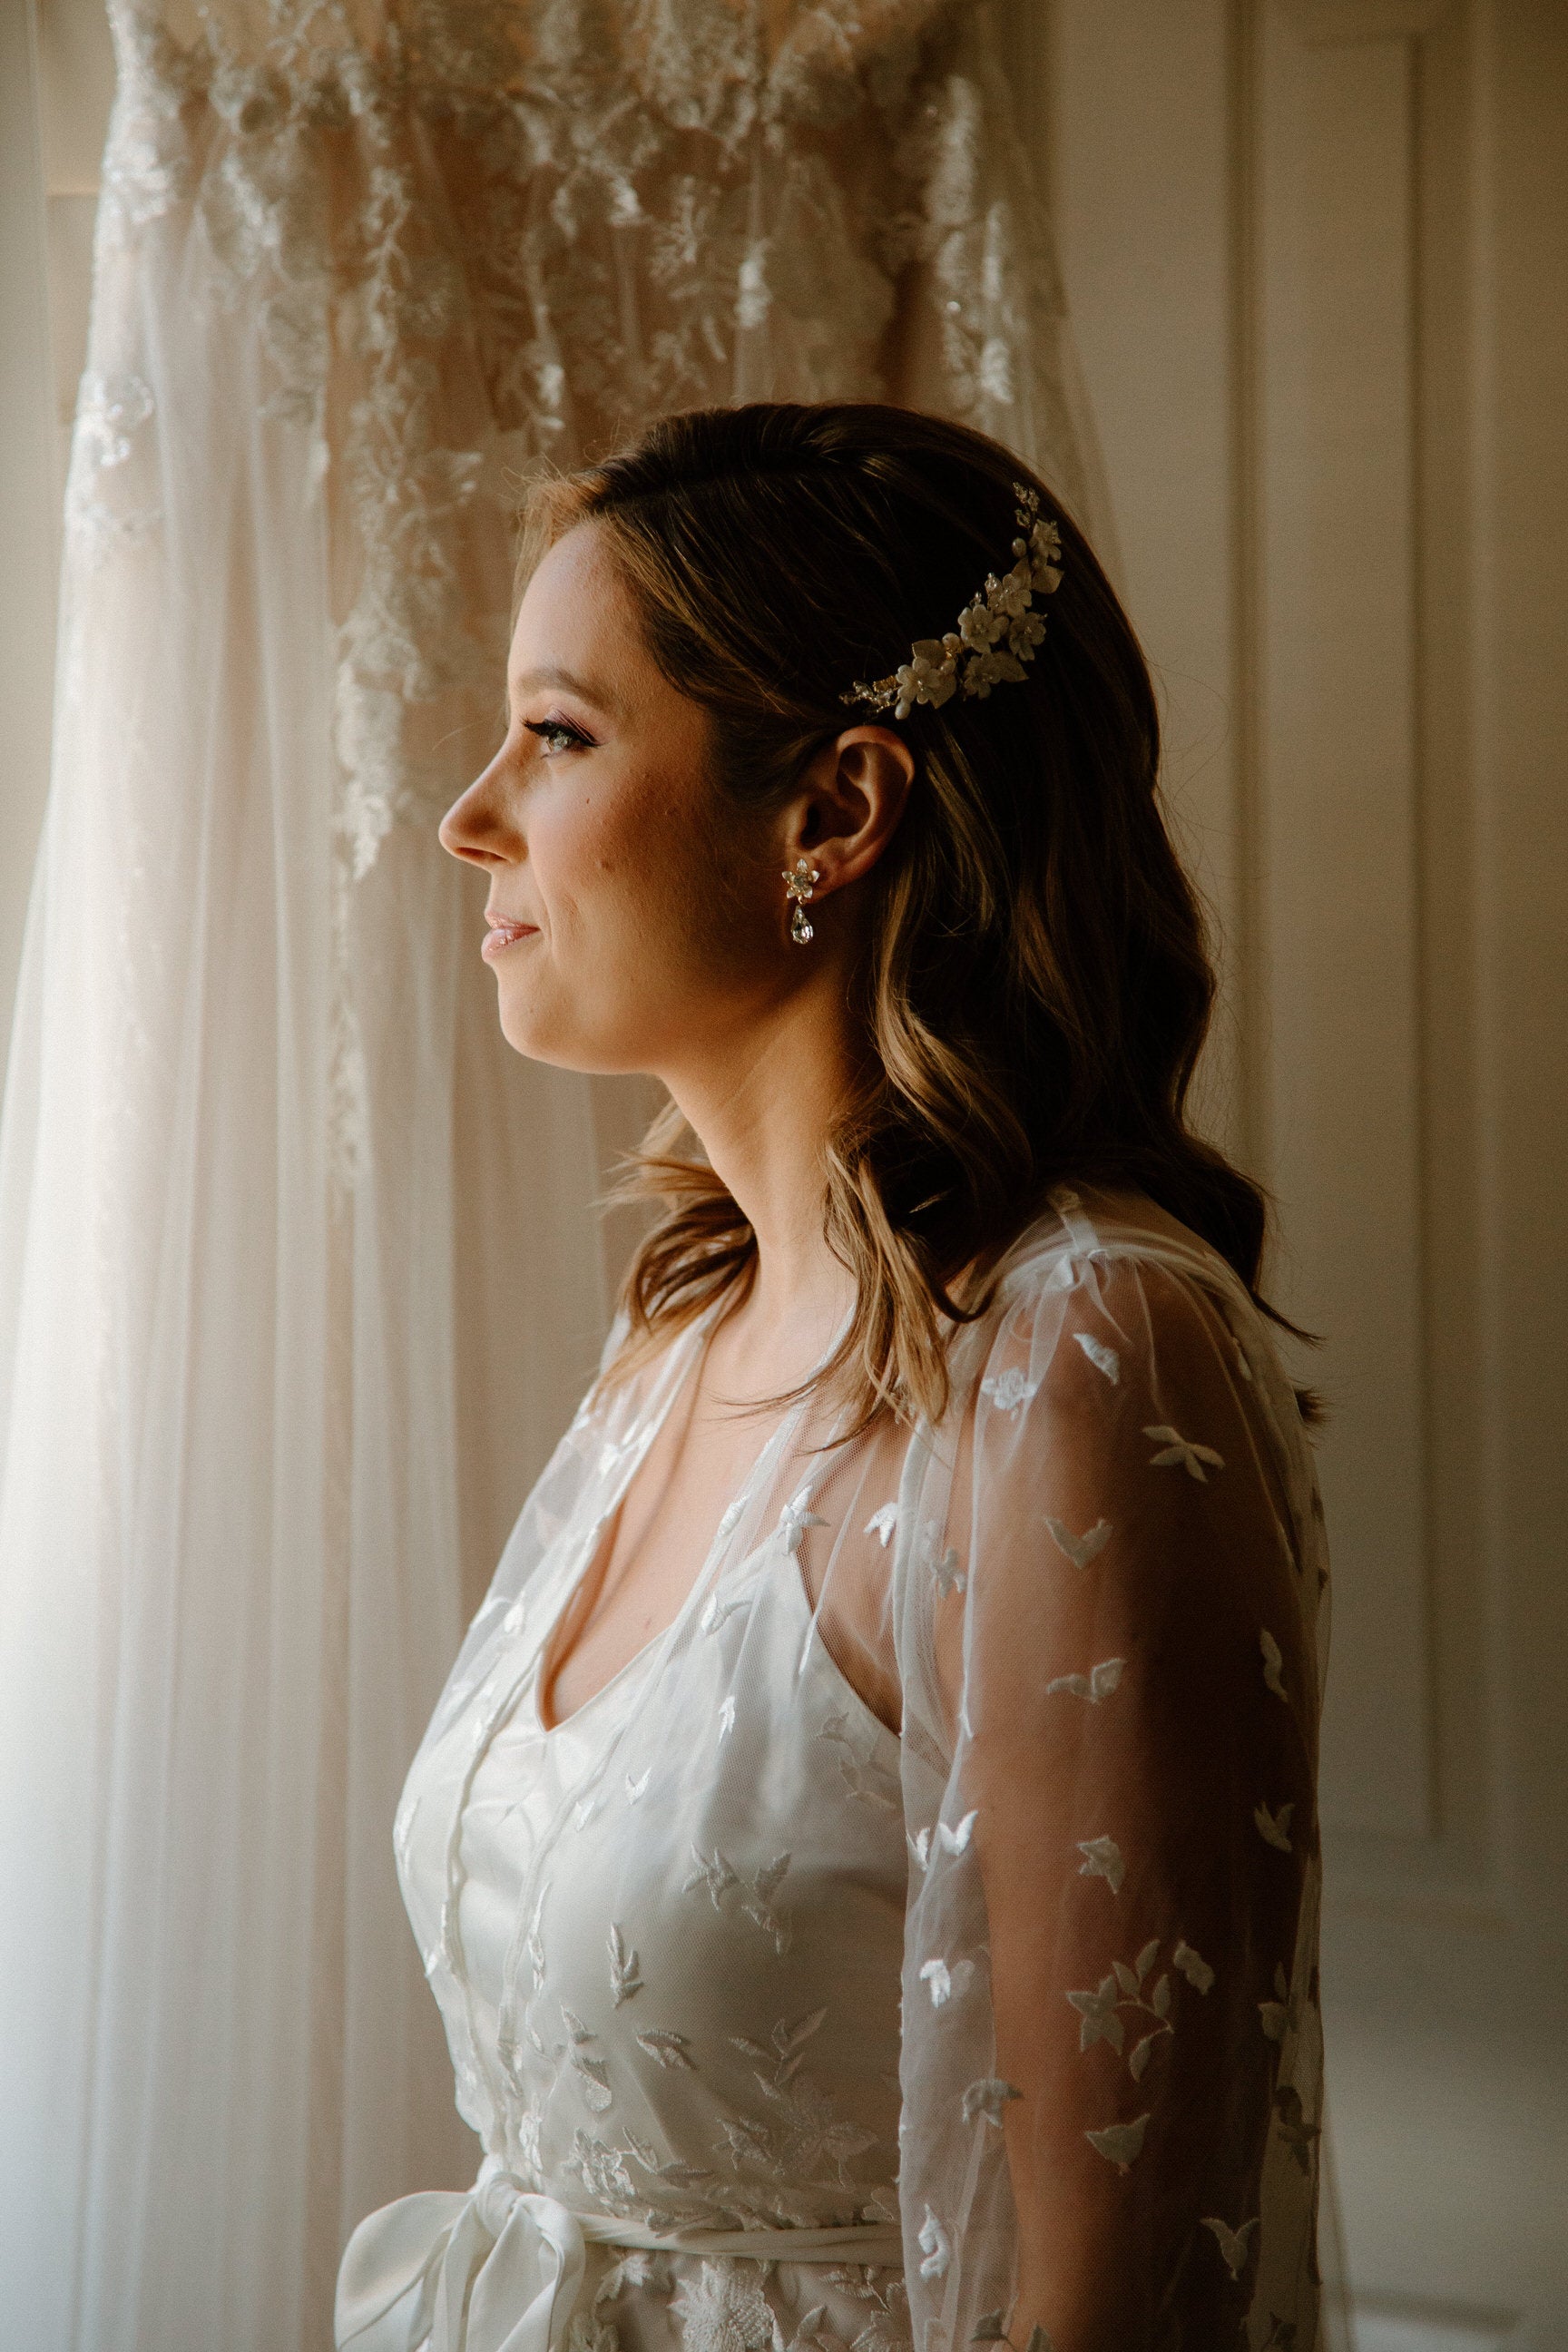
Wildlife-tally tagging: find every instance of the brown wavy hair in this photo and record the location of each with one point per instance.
(1034, 985)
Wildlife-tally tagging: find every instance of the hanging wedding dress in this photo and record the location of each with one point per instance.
(298, 1277)
(761, 2007)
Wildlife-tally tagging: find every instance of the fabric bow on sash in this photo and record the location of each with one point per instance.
(500, 2269)
(497, 2270)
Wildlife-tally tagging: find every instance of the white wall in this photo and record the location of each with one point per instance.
(1317, 253)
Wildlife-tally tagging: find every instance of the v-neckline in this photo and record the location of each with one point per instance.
(605, 1527)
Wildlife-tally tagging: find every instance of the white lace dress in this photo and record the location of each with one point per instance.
(779, 2028)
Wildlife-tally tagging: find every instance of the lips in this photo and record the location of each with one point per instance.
(504, 933)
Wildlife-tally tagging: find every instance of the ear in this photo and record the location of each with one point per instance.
(847, 810)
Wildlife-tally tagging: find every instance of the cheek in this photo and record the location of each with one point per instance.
(652, 935)
(638, 857)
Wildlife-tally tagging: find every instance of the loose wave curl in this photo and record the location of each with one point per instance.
(1035, 988)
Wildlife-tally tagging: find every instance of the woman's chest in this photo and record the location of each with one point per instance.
(675, 1924)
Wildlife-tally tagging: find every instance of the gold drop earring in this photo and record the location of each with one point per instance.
(798, 887)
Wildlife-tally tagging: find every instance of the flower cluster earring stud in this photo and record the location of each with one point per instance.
(799, 885)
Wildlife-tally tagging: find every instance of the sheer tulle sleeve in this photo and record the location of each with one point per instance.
(1108, 1617)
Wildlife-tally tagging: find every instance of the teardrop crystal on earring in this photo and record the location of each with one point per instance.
(799, 930)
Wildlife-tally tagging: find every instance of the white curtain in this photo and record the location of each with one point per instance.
(298, 1277)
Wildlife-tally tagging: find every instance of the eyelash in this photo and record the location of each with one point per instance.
(546, 727)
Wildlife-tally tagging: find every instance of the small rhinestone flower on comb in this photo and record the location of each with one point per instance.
(997, 633)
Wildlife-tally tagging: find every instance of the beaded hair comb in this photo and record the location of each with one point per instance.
(997, 633)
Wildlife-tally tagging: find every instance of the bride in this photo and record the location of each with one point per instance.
(865, 1852)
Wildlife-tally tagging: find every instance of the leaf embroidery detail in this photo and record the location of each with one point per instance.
(602, 2171)
(1097, 1685)
(1274, 1827)
(731, 1519)
(624, 1979)
(1192, 1965)
(1008, 1390)
(757, 1902)
(724, 2310)
(716, 1609)
(948, 1575)
(534, 1944)
(1185, 1450)
(794, 1520)
(1098, 2018)
(669, 2048)
(1120, 2143)
(1104, 1360)
(955, 1840)
(1294, 2129)
(1273, 1659)
(919, 1845)
(988, 2097)
(813, 2334)
(1099, 2022)
(1102, 1859)
(788, 2046)
(863, 1776)
(882, 1522)
(680, 2175)
(636, 1789)
(942, 1566)
(512, 1621)
(1232, 2242)
(1279, 2017)
(592, 2072)
(1080, 1550)
(727, 1714)
(936, 2246)
(716, 1875)
(946, 1982)
(639, 2268)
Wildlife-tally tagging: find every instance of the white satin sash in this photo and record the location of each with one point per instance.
(500, 2269)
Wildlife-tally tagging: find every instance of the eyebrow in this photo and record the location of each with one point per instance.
(600, 697)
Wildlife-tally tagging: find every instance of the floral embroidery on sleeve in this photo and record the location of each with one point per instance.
(1231, 2243)
(1094, 1686)
(1273, 1659)
(1009, 1390)
(1102, 1859)
(944, 1981)
(1185, 1450)
(1120, 2143)
(1104, 1360)
(1274, 1828)
(988, 2097)
(1080, 1550)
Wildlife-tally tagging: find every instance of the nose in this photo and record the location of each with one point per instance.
(477, 827)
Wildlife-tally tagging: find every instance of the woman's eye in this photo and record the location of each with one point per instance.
(555, 734)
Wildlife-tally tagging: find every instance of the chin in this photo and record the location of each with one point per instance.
(563, 1044)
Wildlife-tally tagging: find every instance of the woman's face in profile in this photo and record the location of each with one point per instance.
(632, 916)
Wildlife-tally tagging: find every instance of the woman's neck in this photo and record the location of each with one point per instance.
(763, 1109)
